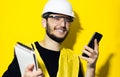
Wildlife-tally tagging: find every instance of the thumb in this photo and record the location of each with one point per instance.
(30, 67)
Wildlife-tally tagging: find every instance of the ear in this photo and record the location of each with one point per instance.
(44, 22)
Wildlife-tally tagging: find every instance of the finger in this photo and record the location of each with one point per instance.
(38, 73)
(95, 46)
(30, 67)
(85, 58)
(88, 49)
(86, 52)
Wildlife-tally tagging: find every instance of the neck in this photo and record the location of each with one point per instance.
(50, 44)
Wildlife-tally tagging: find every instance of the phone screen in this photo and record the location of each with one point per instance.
(97, 36)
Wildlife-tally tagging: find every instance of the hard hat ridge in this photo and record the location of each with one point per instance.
(59, 6)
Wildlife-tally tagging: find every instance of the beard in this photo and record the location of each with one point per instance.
(53, 37)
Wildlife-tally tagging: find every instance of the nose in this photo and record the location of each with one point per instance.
(63, 22)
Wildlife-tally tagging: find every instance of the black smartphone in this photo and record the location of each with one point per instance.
(97, 36)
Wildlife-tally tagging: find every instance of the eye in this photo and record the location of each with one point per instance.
(57, 18)
(68, 19)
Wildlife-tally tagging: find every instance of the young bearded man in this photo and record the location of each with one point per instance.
(53, 60)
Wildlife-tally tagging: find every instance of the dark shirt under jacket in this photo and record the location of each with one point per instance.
(49, 57)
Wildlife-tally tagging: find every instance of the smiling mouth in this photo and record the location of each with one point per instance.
(61, 30)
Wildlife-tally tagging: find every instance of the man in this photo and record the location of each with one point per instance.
(53, 60)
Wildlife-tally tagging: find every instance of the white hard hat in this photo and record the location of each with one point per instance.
(59, 6)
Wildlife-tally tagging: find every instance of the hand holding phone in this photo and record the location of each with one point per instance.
(97, 36)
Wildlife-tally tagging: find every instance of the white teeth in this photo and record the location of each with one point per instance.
(60, 30)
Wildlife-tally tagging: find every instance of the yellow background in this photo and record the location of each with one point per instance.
(20, 20)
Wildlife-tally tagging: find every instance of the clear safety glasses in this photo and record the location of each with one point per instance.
(59, 19)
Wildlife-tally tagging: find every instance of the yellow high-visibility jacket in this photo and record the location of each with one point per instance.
(68, 63)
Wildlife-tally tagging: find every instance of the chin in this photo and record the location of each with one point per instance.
(57, 37)
(60, 35)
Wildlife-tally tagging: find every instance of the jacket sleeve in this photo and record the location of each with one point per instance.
(13, 69)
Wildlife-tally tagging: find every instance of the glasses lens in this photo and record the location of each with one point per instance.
(57, 18)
